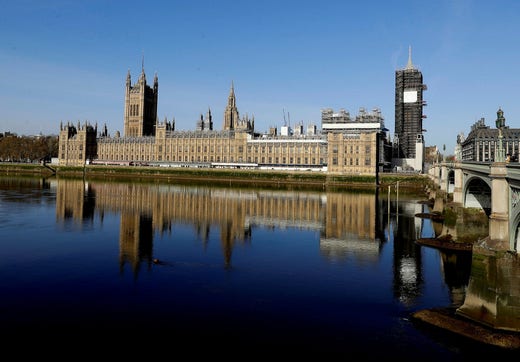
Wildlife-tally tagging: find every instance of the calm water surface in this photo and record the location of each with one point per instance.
(219, 271)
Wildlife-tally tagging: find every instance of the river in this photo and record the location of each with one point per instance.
(169, 268)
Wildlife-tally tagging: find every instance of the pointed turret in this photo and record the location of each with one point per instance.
(231, 98)
(409, 65)
(142, 78)
(128, 79)
(231, 116)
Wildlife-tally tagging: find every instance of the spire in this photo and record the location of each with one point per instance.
(410, 64)
(143, 76)
(232, 100)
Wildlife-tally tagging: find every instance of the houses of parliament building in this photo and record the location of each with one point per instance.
(345, 145)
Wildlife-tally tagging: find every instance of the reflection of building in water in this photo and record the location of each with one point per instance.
(407, 253)
(286, 209)
(76, 200)
(350, 227)
(346, 222)
(135, 240)
(350, 248)
(348, 213)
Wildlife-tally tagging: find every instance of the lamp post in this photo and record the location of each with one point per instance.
(500, 123)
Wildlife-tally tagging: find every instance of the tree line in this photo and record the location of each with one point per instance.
(28, 148)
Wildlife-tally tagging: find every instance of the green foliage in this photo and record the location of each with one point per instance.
(450, 217)
(27, 149)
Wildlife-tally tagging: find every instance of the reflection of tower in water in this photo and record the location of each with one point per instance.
(346, 222)
(135, 241)
(408, 278)
(75, 200)
(350, 227)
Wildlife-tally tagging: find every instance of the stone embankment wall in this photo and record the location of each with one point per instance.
(406, 183)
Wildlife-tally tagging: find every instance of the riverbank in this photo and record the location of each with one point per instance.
(444, 243)
(446, 319)
(407, 183)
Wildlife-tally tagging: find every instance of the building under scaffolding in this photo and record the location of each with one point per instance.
(341, 121)
(409, 105)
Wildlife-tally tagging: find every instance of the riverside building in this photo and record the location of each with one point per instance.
(483, 142)
(409, 139)
(353, 148)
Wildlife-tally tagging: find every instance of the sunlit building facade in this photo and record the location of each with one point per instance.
(344, 151)
(482, 143)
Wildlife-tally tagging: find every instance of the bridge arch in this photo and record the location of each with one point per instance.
(493, 187)
(451, 180)
(514, 230)
(515, 233)
(477, 193)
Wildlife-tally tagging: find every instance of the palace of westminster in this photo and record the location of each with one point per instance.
(345, 145)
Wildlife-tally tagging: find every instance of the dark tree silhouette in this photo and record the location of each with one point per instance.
(28, 149)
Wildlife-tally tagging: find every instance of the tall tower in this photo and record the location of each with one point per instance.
(409, 105)
(140, 106)
(231, 116)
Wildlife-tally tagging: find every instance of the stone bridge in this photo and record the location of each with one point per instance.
(494, 187)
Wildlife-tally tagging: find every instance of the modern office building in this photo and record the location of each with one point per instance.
(408, 134)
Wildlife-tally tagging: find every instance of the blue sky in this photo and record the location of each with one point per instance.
(66, 60)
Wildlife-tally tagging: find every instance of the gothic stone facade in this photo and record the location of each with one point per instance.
(236, 145)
